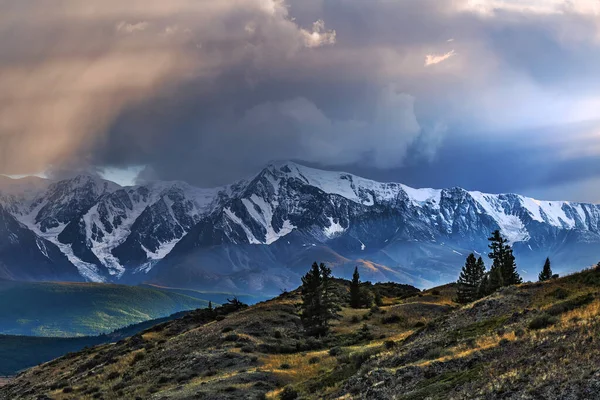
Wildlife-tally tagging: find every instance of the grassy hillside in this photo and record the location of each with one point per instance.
(533, 341)
(83, 309)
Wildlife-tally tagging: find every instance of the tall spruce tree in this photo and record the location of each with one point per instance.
(546, 273)
(319, 300)
(355, 297)
(504, 268)
(331, 305)
(470, 279)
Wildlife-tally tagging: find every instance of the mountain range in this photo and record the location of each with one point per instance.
(261, 234)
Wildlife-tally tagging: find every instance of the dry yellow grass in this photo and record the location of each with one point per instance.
(300, 369)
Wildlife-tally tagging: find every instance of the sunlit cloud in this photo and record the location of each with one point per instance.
(432, 59)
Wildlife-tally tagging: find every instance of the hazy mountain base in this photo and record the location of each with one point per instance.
(534, 341)
(55, 309)
(20, 352)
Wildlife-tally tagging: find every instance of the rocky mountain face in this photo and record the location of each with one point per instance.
(261, 234)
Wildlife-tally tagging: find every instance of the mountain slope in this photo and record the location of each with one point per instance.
(259, 234)
(26, 256)
(533, 341)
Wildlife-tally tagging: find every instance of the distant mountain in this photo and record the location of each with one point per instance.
(261, 234)
(79, 309)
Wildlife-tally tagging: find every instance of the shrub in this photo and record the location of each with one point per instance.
(137, 358)
(335, 351)
(389, 344)
(436, 352)
(68, 389)
(542, 321)
(358, 359)
(220, 317)
(285, 366)
(314, 360)
(355, 319)
(231, 338)
(392, 319)
(113, 375)
(227, 329)
(420, 324)
(288, 394)
(436, 292)
(560, 293)
(519, 332)
(277, 334)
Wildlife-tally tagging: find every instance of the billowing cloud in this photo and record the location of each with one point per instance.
(208, 91)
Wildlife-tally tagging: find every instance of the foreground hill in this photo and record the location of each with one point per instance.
(80, 309)
(257, 235)
(533, 341)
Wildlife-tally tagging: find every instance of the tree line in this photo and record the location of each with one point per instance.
(321, 299)
(475, 282)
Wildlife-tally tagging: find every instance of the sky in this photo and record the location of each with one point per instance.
(494, 95)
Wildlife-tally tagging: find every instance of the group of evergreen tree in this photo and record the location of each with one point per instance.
(474, 282)
(319, 300)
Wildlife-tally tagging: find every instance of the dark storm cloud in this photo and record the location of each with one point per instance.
(426, 92)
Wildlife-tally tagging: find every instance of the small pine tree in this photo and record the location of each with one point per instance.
(546, 273)
(210, 307)
(510, 275)
(378, 299)
(319, 300)
(355, 296)
(470, 280)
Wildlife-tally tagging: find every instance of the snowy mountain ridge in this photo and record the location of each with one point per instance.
(287, 211)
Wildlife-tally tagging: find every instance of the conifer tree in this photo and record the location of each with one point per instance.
(210, 307)
(355, 297)
(504, 268)
(494, 281)
(319, 300)
(330, 297)
(378, 299)
(470, 280)
(546, 273)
